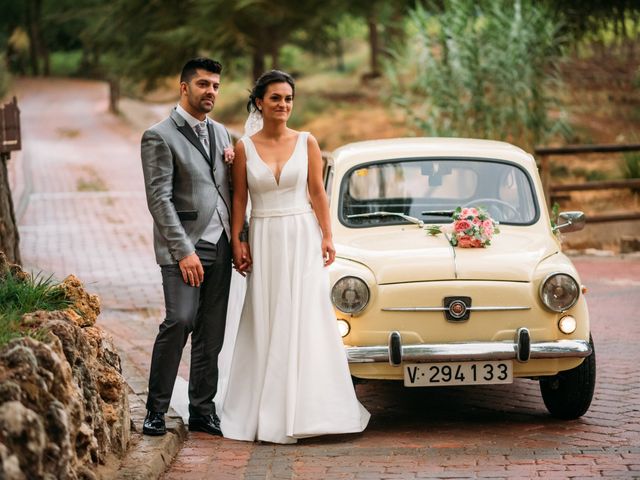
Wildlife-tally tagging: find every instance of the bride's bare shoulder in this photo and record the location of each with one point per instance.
(311, 140)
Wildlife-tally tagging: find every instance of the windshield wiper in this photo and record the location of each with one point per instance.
(408, 218)
(438, 213)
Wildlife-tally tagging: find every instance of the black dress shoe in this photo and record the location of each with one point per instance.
(154, 424)
(205, 423)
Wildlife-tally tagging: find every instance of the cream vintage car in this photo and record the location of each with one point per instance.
(411, 307)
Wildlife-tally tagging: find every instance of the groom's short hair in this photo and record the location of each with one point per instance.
(202, 63)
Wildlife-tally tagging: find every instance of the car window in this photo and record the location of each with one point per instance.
(429, 188)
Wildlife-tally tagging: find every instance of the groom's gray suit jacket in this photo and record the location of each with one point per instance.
(180, 184)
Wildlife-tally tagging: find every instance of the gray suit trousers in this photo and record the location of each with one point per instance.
(201, 312)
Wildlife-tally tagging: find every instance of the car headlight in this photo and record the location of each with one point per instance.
(559, 292)
(350, 294)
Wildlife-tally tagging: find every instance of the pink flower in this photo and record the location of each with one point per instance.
(229, 155)
(487, 224)
(462, 225)
(477, 221)
(469, 212)
(465, 242)
(488, 232)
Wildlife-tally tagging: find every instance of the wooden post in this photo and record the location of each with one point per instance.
(9, 141)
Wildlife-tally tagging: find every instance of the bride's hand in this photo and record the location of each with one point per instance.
(242, 261)
(328, 251)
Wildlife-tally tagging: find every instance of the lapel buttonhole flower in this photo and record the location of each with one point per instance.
(229, 155)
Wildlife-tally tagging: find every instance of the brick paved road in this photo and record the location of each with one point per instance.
(82, 211)
(456, 432)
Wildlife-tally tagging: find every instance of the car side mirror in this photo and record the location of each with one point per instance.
(570, 222)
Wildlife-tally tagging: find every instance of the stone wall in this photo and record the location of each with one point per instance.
(63, 401)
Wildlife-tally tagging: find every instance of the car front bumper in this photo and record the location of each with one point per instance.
(521, 349)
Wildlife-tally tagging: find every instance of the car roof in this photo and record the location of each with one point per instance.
(412, 147)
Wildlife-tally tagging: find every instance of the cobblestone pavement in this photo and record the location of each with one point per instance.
(78, 190)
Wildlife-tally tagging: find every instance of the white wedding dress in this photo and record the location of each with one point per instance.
(288, 376)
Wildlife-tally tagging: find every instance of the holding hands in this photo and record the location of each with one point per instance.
(242, 260)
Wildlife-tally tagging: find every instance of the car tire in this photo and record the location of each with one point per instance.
(568, 394)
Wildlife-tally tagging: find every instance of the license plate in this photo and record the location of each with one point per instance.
(457, 373)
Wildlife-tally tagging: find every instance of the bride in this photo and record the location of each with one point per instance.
(288, 376)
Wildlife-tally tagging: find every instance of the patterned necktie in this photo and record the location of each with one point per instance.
(201, 130)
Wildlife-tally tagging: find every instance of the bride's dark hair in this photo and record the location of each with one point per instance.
(266, 79)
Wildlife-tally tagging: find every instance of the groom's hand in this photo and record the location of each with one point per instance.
(192, 271)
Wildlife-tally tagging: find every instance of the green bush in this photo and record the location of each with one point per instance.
(66, 64)
(481, 69)
(18, 297)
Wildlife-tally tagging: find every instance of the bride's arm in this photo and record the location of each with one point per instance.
(239, 245)
(319, 201)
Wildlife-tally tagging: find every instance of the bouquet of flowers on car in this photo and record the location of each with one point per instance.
(471, 228)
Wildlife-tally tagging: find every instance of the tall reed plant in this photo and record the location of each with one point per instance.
(18, 297)
(484, 69)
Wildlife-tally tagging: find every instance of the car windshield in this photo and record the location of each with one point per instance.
(403, 190)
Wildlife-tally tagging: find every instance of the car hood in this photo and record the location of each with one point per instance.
(410, 255)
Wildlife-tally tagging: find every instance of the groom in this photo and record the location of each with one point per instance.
(187, 187)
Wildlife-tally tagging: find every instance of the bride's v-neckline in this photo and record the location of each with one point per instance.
(273, 175)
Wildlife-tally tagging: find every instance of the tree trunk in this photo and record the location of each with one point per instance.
(257, 60)
(114, 95)
(374, 45)
(37, 47)
(275, 58)
(33, 42)
(9, 237)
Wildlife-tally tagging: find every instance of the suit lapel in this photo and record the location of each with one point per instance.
(212, 143)
(184, 128)
(188, 132)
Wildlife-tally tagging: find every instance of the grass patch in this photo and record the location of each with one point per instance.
(19, 297)
(631, 165)
(589, 175)
(596, 175)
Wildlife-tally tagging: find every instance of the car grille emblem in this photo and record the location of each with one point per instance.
(457, 308)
